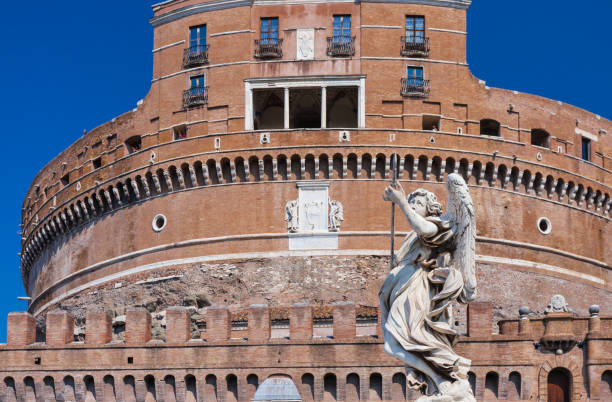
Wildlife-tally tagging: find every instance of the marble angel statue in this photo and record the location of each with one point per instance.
(433, 268)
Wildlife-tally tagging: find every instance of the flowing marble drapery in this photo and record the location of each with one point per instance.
(416, 312)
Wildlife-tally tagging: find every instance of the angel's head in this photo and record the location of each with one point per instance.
(424, 203)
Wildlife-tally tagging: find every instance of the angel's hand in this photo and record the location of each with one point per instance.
(394, 194)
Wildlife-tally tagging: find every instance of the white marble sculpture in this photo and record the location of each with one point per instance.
(433, 268)
(336, 215)
(291, 216)
(557, 305)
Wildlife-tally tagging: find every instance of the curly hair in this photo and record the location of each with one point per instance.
(433, 206)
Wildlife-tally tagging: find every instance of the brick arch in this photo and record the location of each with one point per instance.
(562, 362)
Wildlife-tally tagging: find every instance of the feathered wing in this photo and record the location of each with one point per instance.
(460, 211)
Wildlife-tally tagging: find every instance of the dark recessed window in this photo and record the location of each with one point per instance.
(540, 138)
(65, 179)
(97, 163)
(134, 144)
(37, 360)
(415, 29)
(586, 149)
(489, 127)
(130, 360)
(180, 132)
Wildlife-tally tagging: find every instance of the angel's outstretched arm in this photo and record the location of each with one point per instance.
(420, 225)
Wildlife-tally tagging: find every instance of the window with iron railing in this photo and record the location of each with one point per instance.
(414, 43)
(197, 94)
(268, 44)
(414, 85)
(341, 43)
(197, 52)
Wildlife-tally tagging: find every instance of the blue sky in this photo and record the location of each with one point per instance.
(74, 65)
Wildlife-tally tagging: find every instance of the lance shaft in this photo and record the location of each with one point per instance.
(394, 184)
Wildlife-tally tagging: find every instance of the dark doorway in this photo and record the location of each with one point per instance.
(341, 107)
(305, 107)
(268, 105)
(558, 386)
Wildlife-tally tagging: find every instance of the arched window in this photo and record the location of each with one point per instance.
(489, 127)
(129, 389)
(169, 389)
(210, 390)
(232, 388)
(352, 387)
(308, 387)
(252, 384)
(30, 390)
(109, 388)
(10, 390)
(69, 394)
(191, 392)
(375, 393)
(514, 386)
(540, 138)
(491, 385)
(398, 387)
(605, 390)
(329, 387)
(472, 381)
(559, 385)
(49, 389)
(151, 395)
(90, 389)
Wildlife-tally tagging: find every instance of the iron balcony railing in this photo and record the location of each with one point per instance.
(415, 47)
(340, 46)
(195, 96)
(268, 48)
(415, 87)
(195, 56)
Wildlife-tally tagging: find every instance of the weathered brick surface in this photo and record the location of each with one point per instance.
(21, 329)
(137, 326)
(60, 328)
(222, 224)
(99, 328)
(300, 321)
(178, 325)
(344, 320)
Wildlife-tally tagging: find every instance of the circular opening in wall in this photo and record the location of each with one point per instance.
(544, 226)
(159, 222)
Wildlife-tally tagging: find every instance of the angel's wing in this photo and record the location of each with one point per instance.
(460, 211)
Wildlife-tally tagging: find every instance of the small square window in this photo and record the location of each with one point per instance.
(431, 122)
(586, 149)
(180, 132)
(37, 360)
(134, 144)
(97, 163)
(130, 360)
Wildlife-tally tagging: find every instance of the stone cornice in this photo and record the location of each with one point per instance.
(223, 4)
(462, 4)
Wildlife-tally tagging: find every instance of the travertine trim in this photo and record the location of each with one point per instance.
(231, 33)
(196, 9)
(168, 46)
(461, 4)
(448, 31)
